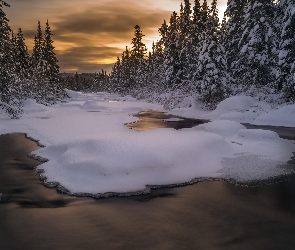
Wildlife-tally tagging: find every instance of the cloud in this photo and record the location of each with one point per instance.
(87, 59)
(95, 37)
(89, 35)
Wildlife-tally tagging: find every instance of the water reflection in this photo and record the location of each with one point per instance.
(152, 119)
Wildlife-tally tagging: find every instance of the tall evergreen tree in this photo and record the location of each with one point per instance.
(22, 57)
(172, 65)
(137, 63)
(8, 89)
(38, 49)
(256, 60)
(286, 63)
(232, 30)
(49, 57)
(211, 75)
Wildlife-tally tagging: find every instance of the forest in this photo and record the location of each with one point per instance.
(250, 52)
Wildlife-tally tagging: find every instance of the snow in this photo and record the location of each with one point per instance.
(93, 152)
(93, 106)
(284, 116)
(224, 128)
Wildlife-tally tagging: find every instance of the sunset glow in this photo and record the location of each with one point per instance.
(90, 36)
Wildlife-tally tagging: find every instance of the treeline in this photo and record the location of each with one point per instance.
(24, 76)
(252, 51)
(85, 82)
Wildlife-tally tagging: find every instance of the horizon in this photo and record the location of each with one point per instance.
(89, 38)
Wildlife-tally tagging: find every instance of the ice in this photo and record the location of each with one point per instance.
(93, 152)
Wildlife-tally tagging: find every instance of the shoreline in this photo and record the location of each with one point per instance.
(209, 214)
(157, 118)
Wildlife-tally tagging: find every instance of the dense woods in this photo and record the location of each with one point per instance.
(250, 52)
(197, 58)
(23, 76)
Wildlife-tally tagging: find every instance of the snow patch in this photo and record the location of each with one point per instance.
(93, 106)
(224, 128)
(284, 116)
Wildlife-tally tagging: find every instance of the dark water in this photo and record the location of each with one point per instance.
(152, 119)
(207, 215)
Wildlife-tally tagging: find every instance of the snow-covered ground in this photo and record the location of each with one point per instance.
(91, 151)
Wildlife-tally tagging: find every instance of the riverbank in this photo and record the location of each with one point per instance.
(207, 215)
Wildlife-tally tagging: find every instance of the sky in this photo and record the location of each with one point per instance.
(89, 35)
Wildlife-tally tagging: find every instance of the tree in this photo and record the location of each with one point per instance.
(232, 30)
(22, 57)
(8, 91)
(211, 74)
(172, 64)
(137, 59)
(138, 47)
(286, 65)
(256, 61)
(49, 57)
(37, 49)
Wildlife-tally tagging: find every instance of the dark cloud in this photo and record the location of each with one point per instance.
(116, 21)
(87, 59)
(92, 30)
(89, 35)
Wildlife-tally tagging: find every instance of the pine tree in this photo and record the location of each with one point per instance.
(37, 49)
(211, 75)
(9, 100)
(22, 57)
(255, 66)
(172, 64)
(138, 47)
(193, 48)
(286, 63)
(185, 29)
(137, 59)
(49, 57)
(232, 30)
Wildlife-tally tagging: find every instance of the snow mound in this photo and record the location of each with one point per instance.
(129, 162)
(30, 106)
(236, 103)
(224, 128)
(92, 106)
(284, 117)
(73, 94)
(257, 134)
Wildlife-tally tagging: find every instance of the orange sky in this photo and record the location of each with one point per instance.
(89, 35)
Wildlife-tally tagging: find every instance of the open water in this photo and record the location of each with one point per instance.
(206, 215)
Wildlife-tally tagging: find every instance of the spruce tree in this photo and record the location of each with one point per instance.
(22, 59)
(172, 64)
(211, 75)
(49, 57)
(232, 30)
(286, 63)
(137, 59)
(184, 41)
(37, 49)
(255, 66)
(9, 94)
